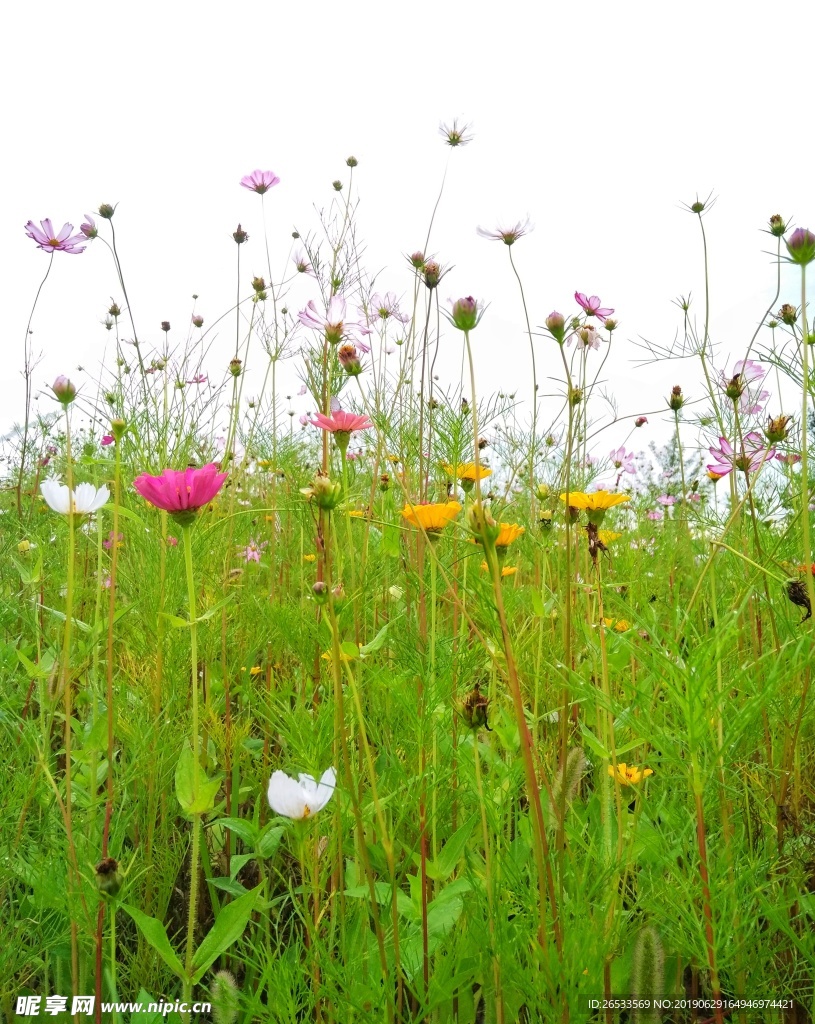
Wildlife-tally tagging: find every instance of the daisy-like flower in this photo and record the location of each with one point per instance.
(592, 306)
(789, 459)
(260, 181)
(334, 325)
(301, 797)
(107, 439)
(628, 774)
(181, 492)
(506, 570)
(754, 454)
(623, 460)
(666, 499)
(586, 337)
(455, 134)
(301, 263)
(50, 240)
(385, 307)
(432, 518)
(507, 235)
(508, 532)
(594, 502)
(341, 422)
(85, 499)
(199, 378)
(252, 552)
(655, 515)
(467, 471)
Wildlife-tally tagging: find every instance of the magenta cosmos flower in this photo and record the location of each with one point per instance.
(754, 454)
(592, 306)
(260, 181)
(181, 492)
(334, 324)
(51, 241)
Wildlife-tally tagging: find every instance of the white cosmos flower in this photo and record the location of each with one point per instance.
(86, 497)
(302, 797)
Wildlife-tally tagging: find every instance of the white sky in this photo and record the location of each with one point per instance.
(595, 119)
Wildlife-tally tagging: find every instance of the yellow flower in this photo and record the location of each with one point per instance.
(467, 471)
(607, 536)
(508, 533)
(326, 655)
(595, 502)
(23, 546)
(432, 518)
(621, 625)
(507, 570)
(715, 477)
(394, 459)
(357, 513)
(309, 558)
(628, 775)
(255, 670)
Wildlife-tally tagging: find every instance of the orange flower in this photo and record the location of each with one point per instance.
(432, 518)
(598, 501)
(467, 471)
(506, 570)
(508, 533)
(628, 775)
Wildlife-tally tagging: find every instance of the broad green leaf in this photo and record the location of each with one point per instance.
(270, 840)
(228, 927)
(237, 861)
(82, 626)
(537, 604)
(449, 856)
(193, 802)
(350, 650)
(390, 541)
(594, 743)
(144, 1017)
(175, 620)
(247, 830)
(156, 934)
(384, 894)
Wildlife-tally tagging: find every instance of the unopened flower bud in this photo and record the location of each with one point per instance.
(108, 879)
(545, 519)
(320, 592)
(481, 524)
(777, 225)
(64, 390)
(259, 284)
(235, 367)
(776, 429)
(801, 246)
(349, 360)
(417, 260)
(352, 161)
(575, 396)
(107, 211)
(676, 399)
(556, 325)
(610, 325)
(114, 310)
(542, 491)
(431, 273)
(640, 421)
(323, 492)
(118, 428)
(198, 321)
(165, 326)
(734, 388)
(697, 207)
(240, 235)
(465, 313)
(337, 185)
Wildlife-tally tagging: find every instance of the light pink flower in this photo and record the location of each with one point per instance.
(749, 370)
(333, 324)
(623, 460)
(260, 181)
(754, 454)
(253, 551)
(385, 306)
(302, 390)
(666, 499)
(507, 235)
(789, 460)
(656, 515)
(592, 306)
(341, 422)
(184, 490)
(751, 403)
(304, 420)
(301, 263)
(199, 378)
(88, 227)
(50, 241)
(586, 336)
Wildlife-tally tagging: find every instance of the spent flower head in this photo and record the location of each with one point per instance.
(455, 134)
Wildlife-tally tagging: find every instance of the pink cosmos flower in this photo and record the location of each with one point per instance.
(50, 241)
(301, 263)
(333, 324)
(508, 235)
(253, 551)
(181, 491)
(113, 539)
(749, 370)
(666, 499)
(385, 306)
(107, 439)
(656, 515)
(88, 227)
(172, 541)
(623, 460)
(304, 420)
(587, 337)
(199, 378)
(751, 402)
(789, 460)
(260, 181)
(592, 306)
(341, 422)
(754, 454)
(302, 390)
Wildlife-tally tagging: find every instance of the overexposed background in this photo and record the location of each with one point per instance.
(597, 120)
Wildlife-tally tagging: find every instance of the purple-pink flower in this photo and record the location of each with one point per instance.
(113, 538)
(181, 491)
(755, 452)
(790, 460)
(656, 515)
(383, 307)
(252, 552)
(51, 241)
(199, 378)
(592, 306)
(107, 439)
(623, 460)
(88, 227)
(260, 181)
(341, 422)
(666, 499)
